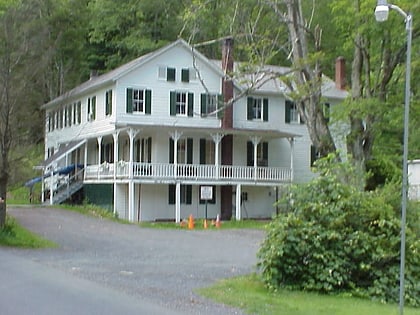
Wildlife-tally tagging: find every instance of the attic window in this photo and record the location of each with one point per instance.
(166, 73)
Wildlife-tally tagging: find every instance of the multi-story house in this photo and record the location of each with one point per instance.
(150, 141)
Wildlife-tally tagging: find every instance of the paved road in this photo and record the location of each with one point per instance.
(158, 269)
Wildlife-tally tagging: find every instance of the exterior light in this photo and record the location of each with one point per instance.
(381, 11)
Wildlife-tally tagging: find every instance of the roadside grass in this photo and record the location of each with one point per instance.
(211, 225)
(249, 294)
(14, 235)
(93, 211)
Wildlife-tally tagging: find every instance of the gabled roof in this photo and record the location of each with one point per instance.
(270, 86)
(113, 75)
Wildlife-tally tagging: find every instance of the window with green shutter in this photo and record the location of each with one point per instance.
(108, 103)
(170, 74)
(139, 101)
(209, 104)
(185, 75)
(257, 108)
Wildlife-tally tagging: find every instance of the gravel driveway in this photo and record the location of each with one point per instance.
(163, 266)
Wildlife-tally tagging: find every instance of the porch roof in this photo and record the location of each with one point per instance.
(61, 153)
(265, 133)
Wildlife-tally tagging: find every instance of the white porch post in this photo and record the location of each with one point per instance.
(238, 202)
(132, 134)
(99, 139)
(178, 202)
(255, 141)
(176, 135)
(51, 186)
(115, 137)
(292, 157)
(86, 157)
(217, 138)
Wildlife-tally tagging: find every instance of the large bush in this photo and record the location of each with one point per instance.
(336, 237)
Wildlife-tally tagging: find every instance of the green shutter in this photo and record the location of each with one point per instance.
(313, 155)
(189, 151)
(288, 106)
(188, 200)
(149, 150)
(250, 110)
(185, 75)
(202, 151)
(94, 107)
(265, 109)
(173, 103)
(190, 104)
(203, 104)
(148, 101)
(249, 154)
(265, 152)
(171, 150)
(171, 194)
(170, 74)
(129, 101)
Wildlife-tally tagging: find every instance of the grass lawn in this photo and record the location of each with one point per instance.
(199, 224)
(250, 295)
(14, 235)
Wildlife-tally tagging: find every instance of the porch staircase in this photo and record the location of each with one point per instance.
(65, 192)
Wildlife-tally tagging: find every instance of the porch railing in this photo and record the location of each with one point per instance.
(157, 171)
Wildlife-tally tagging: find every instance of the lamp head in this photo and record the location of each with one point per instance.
(381, 11)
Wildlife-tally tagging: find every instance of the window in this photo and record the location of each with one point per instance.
(166, 73)
(139, 101)
(108, 103)
(257, 108)
(91, 108)
(184, 151)
(107, 152)
(210, 104)
(185, 194)
(74, 110)
(262, 154)
(143, 150)
(185, 75)
(207, 151)
(181, 104)
(60, 118)
(292, 113)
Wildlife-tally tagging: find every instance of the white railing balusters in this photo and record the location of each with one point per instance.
(190, 171)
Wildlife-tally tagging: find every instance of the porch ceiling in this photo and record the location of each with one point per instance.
(61, 153)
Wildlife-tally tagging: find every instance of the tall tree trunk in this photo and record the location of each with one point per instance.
(308, 78)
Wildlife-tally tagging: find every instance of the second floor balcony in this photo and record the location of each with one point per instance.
(188, 173)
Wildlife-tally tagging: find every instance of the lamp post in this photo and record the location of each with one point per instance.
(381, 14)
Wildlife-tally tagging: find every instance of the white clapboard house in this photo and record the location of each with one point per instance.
(147, 141)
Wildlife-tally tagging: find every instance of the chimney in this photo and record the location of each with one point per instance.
(340, 73)
(93, 74)
(227, 123)
(227, 84)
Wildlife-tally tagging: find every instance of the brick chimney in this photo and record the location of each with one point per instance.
(340, 73)
(227, 84)
(227, 123)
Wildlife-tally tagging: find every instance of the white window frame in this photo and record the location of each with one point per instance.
(181, 103)
(139, 101)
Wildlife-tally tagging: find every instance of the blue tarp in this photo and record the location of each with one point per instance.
(62, 171)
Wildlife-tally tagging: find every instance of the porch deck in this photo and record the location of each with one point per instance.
(188, 172)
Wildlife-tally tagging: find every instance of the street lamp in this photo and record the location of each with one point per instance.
(381, 14)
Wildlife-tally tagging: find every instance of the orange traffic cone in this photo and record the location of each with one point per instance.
(191, 222)
(218, 223)
(205, 224)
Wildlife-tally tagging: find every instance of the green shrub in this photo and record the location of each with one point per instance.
(339, 238)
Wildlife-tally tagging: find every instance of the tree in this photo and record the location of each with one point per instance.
(21, 59)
